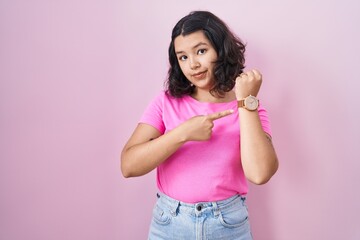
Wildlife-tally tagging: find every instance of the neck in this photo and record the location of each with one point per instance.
(205, 96)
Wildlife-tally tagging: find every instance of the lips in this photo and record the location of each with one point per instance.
(199, 75)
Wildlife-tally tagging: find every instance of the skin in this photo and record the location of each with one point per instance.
(258, 155)
(147, 147)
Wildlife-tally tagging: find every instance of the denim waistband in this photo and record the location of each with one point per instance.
(195, 208)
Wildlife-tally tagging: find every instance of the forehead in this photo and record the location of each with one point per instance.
(189, 41)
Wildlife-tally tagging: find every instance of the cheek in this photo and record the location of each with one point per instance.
(212, 67)
(211, 62)
(183, 69)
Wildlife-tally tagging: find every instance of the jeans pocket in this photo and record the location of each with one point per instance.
(160, 215)
(235, 216)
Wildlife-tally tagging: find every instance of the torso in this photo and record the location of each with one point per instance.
(207, 97)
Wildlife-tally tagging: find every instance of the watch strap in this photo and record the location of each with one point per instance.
(241, 103)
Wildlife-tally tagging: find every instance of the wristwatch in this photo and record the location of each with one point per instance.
(250, 103)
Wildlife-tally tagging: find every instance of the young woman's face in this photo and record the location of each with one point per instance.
(196, 57)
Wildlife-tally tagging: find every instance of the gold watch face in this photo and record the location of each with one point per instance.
(251, 103)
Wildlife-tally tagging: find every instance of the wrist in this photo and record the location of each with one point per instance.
(180, 134)
(250, 103)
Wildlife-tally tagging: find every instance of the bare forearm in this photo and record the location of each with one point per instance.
(258, 156)
(144, 157)
(141, 155)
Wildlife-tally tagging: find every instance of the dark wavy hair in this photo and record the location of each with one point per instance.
(230, 51)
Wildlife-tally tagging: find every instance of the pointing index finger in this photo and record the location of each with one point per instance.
(217, 115)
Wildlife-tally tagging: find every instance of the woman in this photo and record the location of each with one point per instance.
(193, 132)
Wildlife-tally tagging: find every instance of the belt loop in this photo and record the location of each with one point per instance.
(243, 200)
(174, 208)
(216, 209)
(171, 204)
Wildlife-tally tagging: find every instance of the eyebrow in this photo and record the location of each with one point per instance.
(197, 45)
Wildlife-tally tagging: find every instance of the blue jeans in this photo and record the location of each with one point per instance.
(226, 219)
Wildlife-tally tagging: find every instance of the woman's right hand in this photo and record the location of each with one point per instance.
(199, 128)
(147, 147)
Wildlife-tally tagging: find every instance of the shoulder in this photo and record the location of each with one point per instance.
(165, 96)
(163, 99)
(159, 98)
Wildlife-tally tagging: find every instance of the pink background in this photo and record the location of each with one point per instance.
(76, 76)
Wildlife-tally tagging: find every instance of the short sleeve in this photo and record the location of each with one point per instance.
(264, 119)
(153, 114)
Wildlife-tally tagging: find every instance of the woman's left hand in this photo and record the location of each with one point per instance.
(248, 83)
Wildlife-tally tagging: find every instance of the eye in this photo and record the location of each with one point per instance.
(201, 51)
(182, 58)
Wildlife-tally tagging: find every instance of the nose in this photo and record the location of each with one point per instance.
(194, 63)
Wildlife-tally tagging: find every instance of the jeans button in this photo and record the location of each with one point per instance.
(198, 207)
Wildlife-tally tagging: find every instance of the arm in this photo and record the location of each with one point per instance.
(147, 148)
(258, 155)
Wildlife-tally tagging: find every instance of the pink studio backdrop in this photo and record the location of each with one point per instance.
(75, 77)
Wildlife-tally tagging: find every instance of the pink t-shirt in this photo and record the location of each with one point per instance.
(200, 170)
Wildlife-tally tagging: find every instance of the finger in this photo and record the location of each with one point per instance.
(257, 74)
(250, 75)
(217, 115)
(241, 76)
